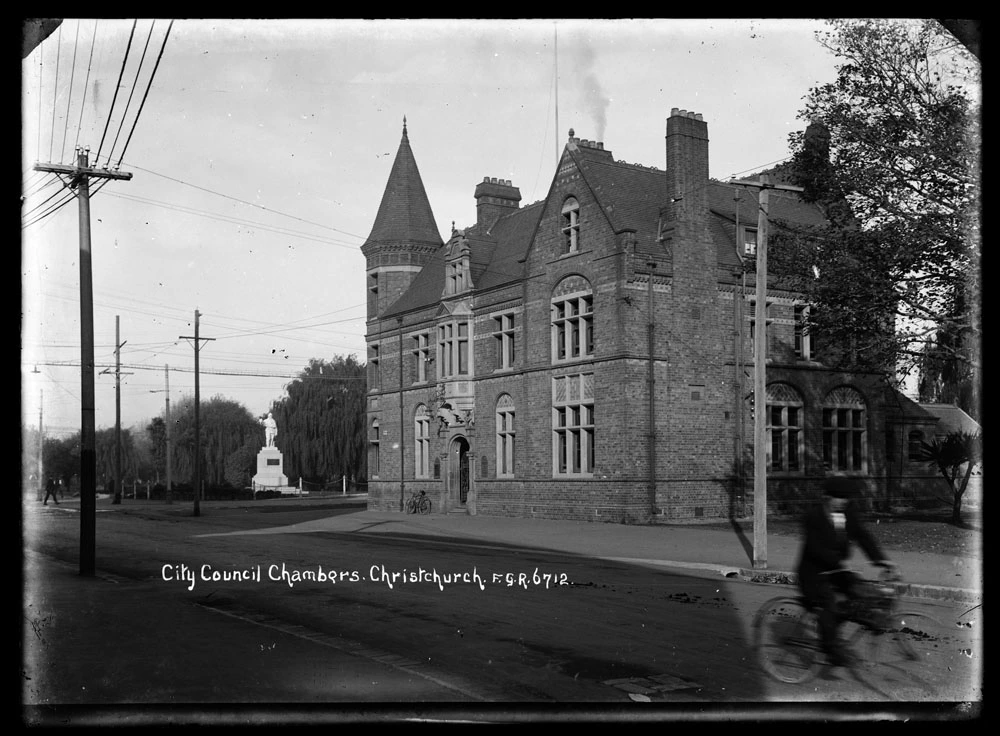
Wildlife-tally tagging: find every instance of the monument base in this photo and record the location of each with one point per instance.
(270, 473)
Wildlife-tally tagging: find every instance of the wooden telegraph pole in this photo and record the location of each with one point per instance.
(166, 416)
(118, 413)
(760, 372)
(78, 177)
(197, 413)
(170, 493)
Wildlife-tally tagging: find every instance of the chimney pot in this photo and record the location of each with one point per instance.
(493, 180)
(600, 145)
(698, 117)
(486, 180)
(674, 111)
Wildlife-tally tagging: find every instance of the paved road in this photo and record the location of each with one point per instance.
(604, 639)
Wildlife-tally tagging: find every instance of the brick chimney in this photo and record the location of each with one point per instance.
(494, 199)
(687, 165)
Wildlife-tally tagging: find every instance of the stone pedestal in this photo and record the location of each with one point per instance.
(270, 473)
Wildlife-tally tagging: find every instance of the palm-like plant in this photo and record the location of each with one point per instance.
(955, 456)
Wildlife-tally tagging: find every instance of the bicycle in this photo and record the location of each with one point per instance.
(418, 504)
(787, 638)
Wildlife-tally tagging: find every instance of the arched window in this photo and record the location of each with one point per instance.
(845, 431)
(505, 436)
(571, 225)
(373, 449)
(572, 320)
(422, 442)
(784, 427)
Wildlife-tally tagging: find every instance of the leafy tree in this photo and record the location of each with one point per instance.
(61, 457)
(240, 465)
(156, 432)
(892, 157)
(322, 420)
(943, 378)
(106, 452)
(955, 457)
(225, 427)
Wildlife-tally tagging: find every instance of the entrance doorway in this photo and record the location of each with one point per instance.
(458, 471)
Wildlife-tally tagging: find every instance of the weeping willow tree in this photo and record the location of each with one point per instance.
(227, 428)
(107, 455)
(321, 421)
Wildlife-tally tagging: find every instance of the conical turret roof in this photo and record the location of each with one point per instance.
(405, 213)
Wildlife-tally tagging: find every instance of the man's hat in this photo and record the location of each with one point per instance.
(838, 487)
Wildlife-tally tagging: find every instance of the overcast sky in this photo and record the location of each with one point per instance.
(261, 150)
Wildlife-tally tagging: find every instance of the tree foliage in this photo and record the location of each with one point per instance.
(107, 456)
(321, 421)
(892, 156)
(226, 426)
(955, 457)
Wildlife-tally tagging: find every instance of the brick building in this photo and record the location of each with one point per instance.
(590, 356)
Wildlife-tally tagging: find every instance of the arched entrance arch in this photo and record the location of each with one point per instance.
(459, 472)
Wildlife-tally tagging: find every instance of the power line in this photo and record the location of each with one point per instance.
(55, 89)
(243, 201)
(69, 95)
(149, 86)
(221, 372)
(234, 220)
(86, 83)
(114, 99)
(128, 102)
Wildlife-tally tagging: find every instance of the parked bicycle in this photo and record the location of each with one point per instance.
(787, 638)
(418, 504)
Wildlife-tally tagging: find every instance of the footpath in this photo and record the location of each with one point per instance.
(700, 547)
(86, 641)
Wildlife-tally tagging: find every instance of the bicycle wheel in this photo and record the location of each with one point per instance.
(411, 506)
(787, 640)
(424, 505)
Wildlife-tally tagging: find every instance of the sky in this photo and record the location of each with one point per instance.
(259, 151)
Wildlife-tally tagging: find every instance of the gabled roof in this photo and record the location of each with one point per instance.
(731, 204)
(951, 419)
(405, 212)
(495, 258)
(902, 408)
(630, 195)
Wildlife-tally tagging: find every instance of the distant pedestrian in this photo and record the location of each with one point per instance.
(50, 490)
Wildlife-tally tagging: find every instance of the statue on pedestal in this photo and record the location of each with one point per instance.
(270, 429)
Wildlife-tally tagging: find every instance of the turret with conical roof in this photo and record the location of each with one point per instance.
(404, 235)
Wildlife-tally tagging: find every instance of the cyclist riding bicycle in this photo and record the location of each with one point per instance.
(828, 529)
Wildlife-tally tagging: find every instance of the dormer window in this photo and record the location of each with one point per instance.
(571, 225)
(749, 242)
(458, 277)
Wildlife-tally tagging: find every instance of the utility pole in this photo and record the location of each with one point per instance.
(41, 444)
(79, 177)
(170, 493)
(166, 417)
(197, 413)
(760, 372)
(118, 414)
